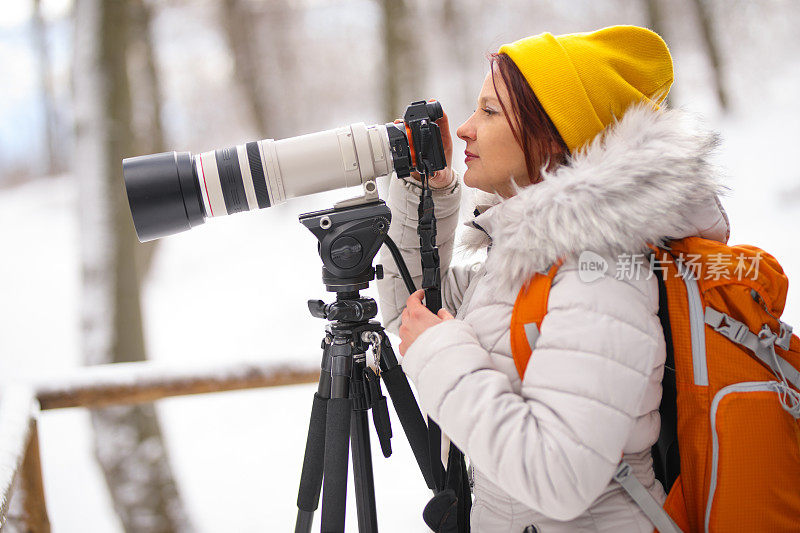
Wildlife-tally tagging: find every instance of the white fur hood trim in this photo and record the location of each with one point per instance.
(648, 177)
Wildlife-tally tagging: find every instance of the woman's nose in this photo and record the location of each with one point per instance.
(466, 132)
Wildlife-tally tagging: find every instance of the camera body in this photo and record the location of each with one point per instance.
(419, 147)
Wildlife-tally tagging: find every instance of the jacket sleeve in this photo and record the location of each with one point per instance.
(403, 200)
(555, 445)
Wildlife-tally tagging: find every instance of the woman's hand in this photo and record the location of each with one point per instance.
(441, 178)
(416, 318)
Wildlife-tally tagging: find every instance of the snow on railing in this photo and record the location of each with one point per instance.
(100, 386)
(19, 449)
(126, 383)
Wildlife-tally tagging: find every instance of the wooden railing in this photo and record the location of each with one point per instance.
(101, 386)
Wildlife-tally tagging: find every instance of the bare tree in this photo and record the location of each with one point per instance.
(147, 93)
(455, 25)
(147, 96)
(656, 22)
(46, 88)
(404, 67)
(128, 441)
(238, 18)
(704, 17)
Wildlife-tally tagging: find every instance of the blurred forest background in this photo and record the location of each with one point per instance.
(89, 82)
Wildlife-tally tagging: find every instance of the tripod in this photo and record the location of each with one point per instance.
(349, 237)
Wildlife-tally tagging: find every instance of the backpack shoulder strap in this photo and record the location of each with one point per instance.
(666, 457)
(527, 315)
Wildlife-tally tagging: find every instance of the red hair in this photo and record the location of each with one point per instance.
(532, 128)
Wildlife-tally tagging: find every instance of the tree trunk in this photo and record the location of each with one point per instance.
(404, 66)
(456, 25)
(655, 21)
(237, 21)
(46, 87)
(710, 40)
(150, 137)
(128, 441)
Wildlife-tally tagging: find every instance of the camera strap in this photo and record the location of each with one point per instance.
(452, 486)
(426, 229)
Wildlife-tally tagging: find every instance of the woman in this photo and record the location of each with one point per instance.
(569, 139)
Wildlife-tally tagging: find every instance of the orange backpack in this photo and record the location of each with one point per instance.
(731, 387)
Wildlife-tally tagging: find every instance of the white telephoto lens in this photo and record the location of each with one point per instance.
(261, 174)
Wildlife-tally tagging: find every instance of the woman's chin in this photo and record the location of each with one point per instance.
(468, 179)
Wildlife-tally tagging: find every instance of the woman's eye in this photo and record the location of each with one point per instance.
(488, 111)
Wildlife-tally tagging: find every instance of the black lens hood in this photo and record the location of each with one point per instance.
(163, 193)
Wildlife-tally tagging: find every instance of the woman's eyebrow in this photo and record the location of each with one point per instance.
(486, 99)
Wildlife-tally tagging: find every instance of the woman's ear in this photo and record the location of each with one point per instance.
(558, 155)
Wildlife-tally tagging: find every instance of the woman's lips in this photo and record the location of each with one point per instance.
(470, 156)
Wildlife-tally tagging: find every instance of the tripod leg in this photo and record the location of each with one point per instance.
(311, 475)
(407, 409)
(337, 436)
(334, 480)
(362, 455)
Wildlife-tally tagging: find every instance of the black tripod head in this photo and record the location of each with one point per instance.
(348, 308)
(349, 238)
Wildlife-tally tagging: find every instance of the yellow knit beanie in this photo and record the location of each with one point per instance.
(585, 80)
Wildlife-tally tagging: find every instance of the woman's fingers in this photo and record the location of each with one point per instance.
(416, 319)
(440, 178)
(447, 140)
(416, 297)
(444, 127)
(414, 303)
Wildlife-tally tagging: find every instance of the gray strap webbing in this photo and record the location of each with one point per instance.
(531, 333)
(785, 336)
(657, 515)
(763, 347)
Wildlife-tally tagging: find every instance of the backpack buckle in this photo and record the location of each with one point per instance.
(622, 473)
(727, 326)
(733, 329)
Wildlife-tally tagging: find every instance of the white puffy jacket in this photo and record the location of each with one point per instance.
(543, 450)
